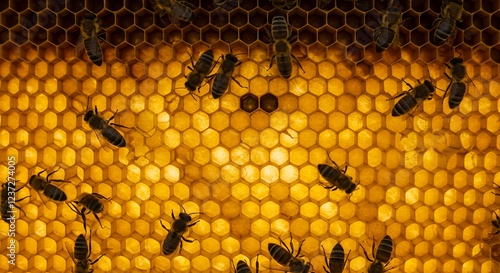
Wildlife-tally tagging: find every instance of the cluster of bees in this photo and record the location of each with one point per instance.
(280, 35)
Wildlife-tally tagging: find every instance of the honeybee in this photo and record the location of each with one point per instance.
(8, 202)
(284, 256)
(451, 12)
(90, 203)
(89, 28)
(336, 178)
(199, 71)
(223, 77)
(284, 3)
(389, 28)
(175, 235)
(337, 262)
(412, 98)
(39, 183)
(282, 49)
(243, 267)
(383, 255)
(176, 10)
(458, 73)
(81, 254)
(104, 127)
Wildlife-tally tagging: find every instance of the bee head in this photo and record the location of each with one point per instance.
(185, 217)
(232, 58)
(429, 85)
(88, 115)
(456, 61)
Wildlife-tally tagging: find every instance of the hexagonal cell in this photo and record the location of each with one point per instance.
(495, 20)
(472, 37)
(490, 36)
(202, 19)
(154, 35)
(219, 18)
(257, 18)
(495, 54)
(471, 6)
(327, 36)
(345, 35)
(297, 18)
(115, 35)
(18, 5)
(269, 103)
(135, 36)
(419, 36)
(57, 36)
(10, 18)
(307, 35)
(65, 19)
(144, 19)
(363, 36)
(210, 34)
(249, 103)
(37, 35)
(47, 19)
(419, 6)
(230, 34)
(4, 35)
(354, 19)
(346, 5)
(336, 19)
(248, 34)
(316, 18)
(238, 18)
(481, 20)
(18, 35)
(124, 19)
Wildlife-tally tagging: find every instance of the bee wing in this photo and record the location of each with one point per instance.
(94, 47)
(79, 46)
(100, 137)
(70, 250)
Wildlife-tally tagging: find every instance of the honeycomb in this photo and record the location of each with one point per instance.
(248, 160)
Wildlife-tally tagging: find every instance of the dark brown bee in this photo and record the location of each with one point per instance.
(336, 263)
(282, 49)
(382, 256)
(176, 10)
(336, 178)
(222, 78)
(104, 127)
(389, 28)
(451, 12)
(243, 267)
(284, 256)
(44, 185)
(175, 235)
(412, 98)
(8, 201)
(199, 71)
(81, 254)
(458, 88)
(89, 28)
(90, 203)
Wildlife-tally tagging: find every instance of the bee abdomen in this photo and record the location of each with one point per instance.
(457, 93)
(81, 248)
(242, 267)
(220, 85)
(444, 30)
(404, 105)
(170, 243)
(113, 136)
(279, 254)
(95, 57)
(55, 193)
(329, 173)
(279, 28)
(384, 250)
(384, 39)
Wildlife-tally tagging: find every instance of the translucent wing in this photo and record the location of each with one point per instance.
(70, 250)
(79, 46)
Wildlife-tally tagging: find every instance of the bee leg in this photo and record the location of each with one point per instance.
(297, 60)
(98, 219)
(173, 216)
(100, 196)
(271, 62)
(398, 95)
(235, 80)
(187, 240)
(271, 39)
(84, 219)
(96, 260)
(193, 223)
(300, 248)
(366, 254)
(283, 243)
(161, 223)
(257, 264)
(326, 260)
(409, 85)
(41, 172)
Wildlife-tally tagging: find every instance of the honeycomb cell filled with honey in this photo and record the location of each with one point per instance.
(248, 160)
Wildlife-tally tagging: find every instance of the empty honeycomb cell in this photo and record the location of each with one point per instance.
(124, 19)
(345, 36)
(37, 35)
(114, 6)
(47, 19)
(297, 18)
(135, 36)
(238, 18)
(354, 19)
(230, 34)
(490, 36)
(210, 34)
(220, 18)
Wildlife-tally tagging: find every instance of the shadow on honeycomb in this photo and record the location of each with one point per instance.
(426, 180)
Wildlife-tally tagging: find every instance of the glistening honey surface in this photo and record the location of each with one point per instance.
(425, 180)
